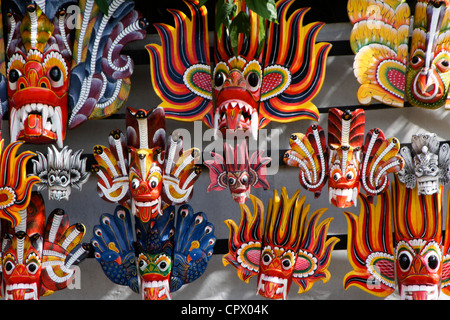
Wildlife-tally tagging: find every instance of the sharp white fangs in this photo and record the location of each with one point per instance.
(31, 294)
(51, 119)
(282, 282)
(163, 287)
(248, 116)
(351, 194)
(408, 290)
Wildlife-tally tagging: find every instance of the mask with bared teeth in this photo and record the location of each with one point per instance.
(352, 161)
(288, 247)
(38, 79)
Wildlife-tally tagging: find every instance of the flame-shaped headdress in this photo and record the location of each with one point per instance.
(276, 82)
(398, 244)
(289, 248)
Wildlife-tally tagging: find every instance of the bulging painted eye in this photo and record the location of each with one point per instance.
(266, 259)
(142, 264)
(286, 263)
(231, 181)
(416, 61)
(154, 182)
(9, 267)
(404, 260)
(13, 77)
(163, 266)
(219, 79)
(32, 267)
(432, 260)
(56, 77)
(253, 81)
(336, 176)
(64, 180)
(135, 183)
(51, 178)
(443, 65)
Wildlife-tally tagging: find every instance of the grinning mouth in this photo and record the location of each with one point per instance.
(149, 204)
(427, 187)
(427, 87)
(240, 197)
(419, 292)
(272, 287)
(50, 121)
(155, 290)
(58, 194)
(149, 209)
(343, 197)
(21, 291)
(234, 115)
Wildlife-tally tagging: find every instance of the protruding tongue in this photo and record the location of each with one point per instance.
(33, 125)
(144, 213)
(420, 295)
(19, 294)
(233, 117)
(341, 201)
(152, 293)
(270, 288)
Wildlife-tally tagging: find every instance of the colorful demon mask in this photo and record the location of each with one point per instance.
(60, 171)
(171, 252)
(37, 257)
(49, 71)
(237, 172)
(253, 86)
(149, 176)
(427, 164)
(289, 248)
(398, 244)
(349, 162)
(391, 69)
(250, 85)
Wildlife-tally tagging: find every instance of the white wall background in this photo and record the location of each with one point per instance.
(221, 282)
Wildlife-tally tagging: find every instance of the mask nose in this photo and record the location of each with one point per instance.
(235, 79)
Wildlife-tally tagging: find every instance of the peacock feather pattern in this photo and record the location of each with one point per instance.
(193, 246)
(113, 244)
(156, 257)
